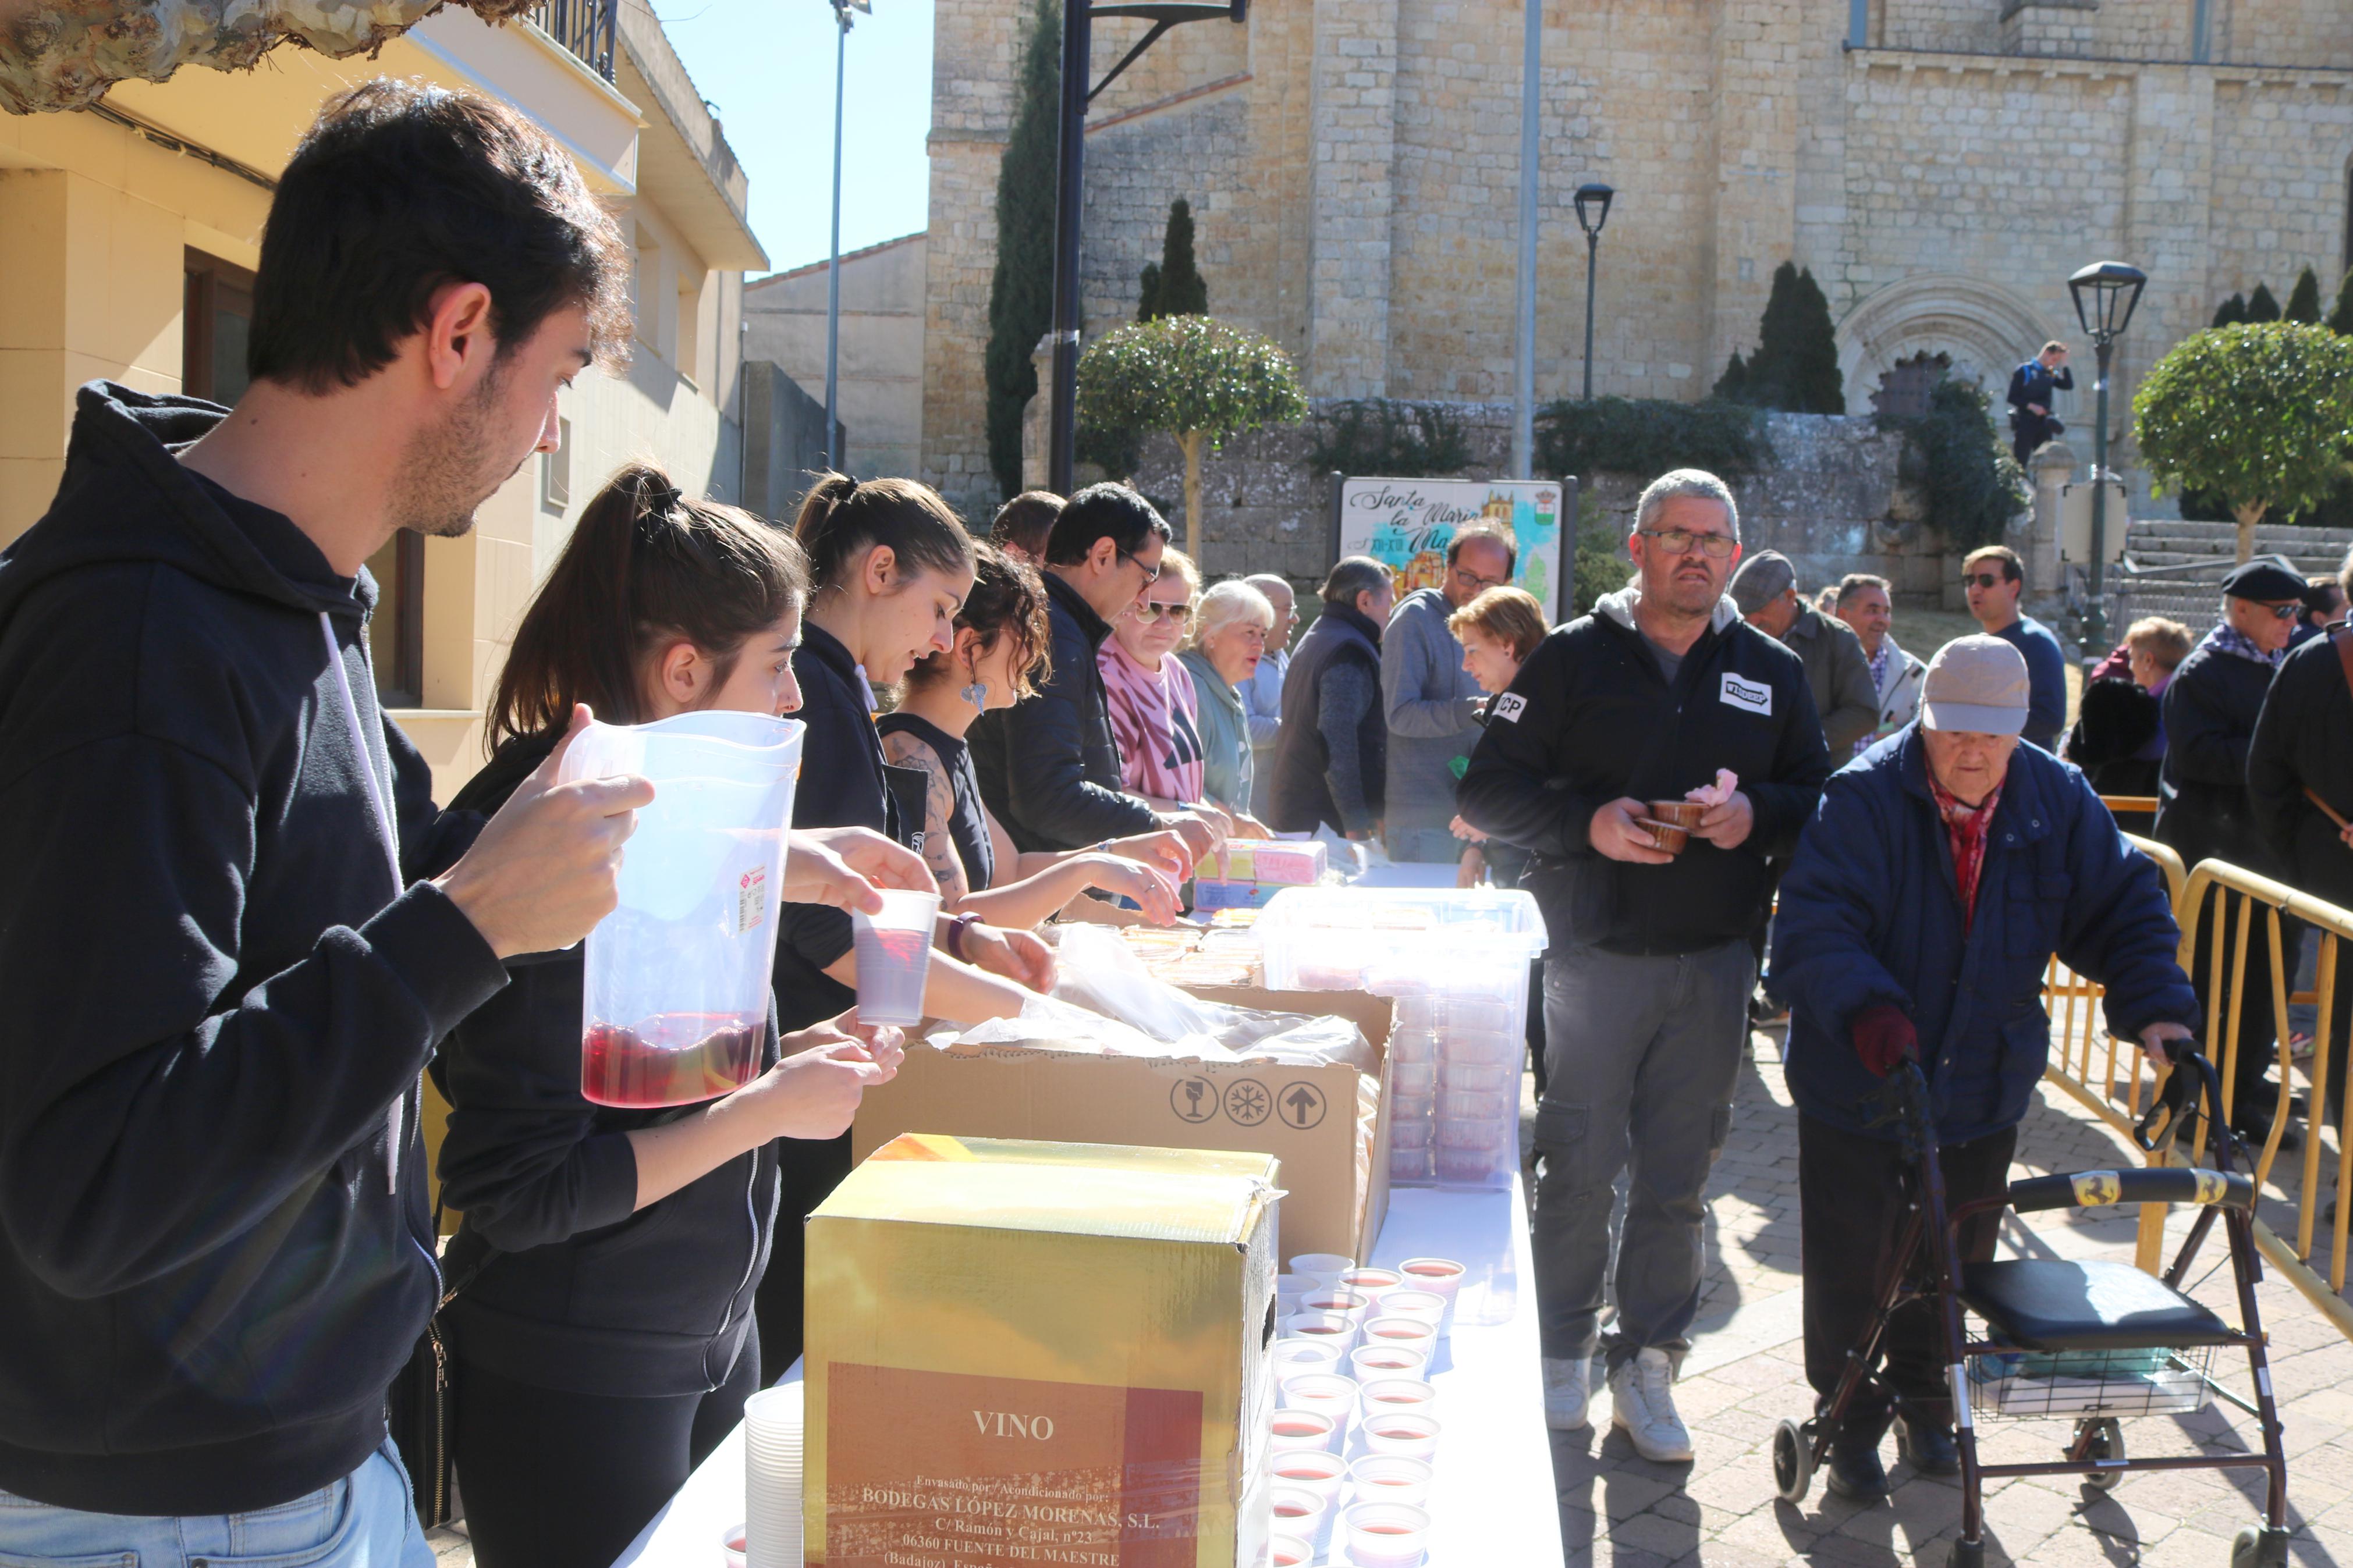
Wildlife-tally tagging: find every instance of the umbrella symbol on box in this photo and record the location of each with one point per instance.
(1247, 1104)
(1302, 1106)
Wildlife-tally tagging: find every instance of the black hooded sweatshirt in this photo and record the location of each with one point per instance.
(214, 1248)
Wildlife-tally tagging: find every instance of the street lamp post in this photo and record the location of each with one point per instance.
(2106, 294)
(841, 10)
(1070, 192)
(1592, 212)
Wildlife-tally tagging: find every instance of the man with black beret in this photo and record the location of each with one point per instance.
(2203, 812)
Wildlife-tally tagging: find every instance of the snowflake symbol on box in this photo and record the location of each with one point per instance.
(1248, 1103)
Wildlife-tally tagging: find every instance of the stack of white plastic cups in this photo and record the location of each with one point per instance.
(772, 1478)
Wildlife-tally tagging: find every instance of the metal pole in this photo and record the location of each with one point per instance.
(1069, 195)
(833, 265)
(1592, 260)
(1523, 391)
(2096, 623)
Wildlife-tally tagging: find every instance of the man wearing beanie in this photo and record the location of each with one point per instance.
(1838, 671)
(2203, 812)
(1943, 871)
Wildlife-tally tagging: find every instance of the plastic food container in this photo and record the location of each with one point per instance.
(674, 1003)
(1412, 1165)
(1414, 1078)
(1476, 1078)
(1484, 1106)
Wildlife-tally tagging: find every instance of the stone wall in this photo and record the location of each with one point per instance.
(1830, 499)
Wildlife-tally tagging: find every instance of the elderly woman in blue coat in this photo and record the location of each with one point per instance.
(1942, 868)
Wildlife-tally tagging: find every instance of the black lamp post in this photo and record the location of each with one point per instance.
(1592, 212)
(1070, 192)
(2106, 294)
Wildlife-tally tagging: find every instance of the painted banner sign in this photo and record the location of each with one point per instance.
(1407, 524)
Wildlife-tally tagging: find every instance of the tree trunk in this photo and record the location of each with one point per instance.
(65, 54)
(2249, 515)
(1193, 441)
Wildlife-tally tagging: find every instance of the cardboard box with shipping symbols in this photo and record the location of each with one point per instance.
(1047, 1355)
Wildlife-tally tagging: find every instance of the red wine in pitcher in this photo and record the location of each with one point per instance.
(675, 1058)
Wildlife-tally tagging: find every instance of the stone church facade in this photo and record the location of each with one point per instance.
(1941, 165)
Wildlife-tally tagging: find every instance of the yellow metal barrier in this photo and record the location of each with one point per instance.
(2087, 1065)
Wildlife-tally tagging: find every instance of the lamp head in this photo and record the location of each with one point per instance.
(1593, 206)
(2106, 294)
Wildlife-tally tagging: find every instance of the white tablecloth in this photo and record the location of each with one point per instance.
(1494, 1500)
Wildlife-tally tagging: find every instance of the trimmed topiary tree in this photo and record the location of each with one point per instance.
(2263, 305)
(1194, 377)
(2340, 319)
(1173, 286)
(2231, 313)
(1732, 386)
(1021, 290)
(2261, 414)
(1795, 365)
(2303, 299)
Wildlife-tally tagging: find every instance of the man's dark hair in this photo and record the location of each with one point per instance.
(1854, 583)
(1496, 532)
(1025, 522)
(1102, 512)
(2013, 570)
(398, 188)
(1352, 574)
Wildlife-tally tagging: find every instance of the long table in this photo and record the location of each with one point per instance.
(1494, 1500)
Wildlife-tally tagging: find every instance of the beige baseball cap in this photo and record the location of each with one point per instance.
(1977, 684)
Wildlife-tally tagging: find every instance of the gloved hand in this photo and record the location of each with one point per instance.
(1883, 1037)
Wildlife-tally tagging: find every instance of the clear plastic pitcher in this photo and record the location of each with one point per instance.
(675, 999)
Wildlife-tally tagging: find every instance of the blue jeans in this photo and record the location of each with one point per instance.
(365, 1520)
(1424, 845)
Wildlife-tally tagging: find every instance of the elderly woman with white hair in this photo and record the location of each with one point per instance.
(1230, 636)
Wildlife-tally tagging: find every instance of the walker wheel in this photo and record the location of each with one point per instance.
(2107, 1442)
(2258, 1548)
(1966, 1554)
(1793, 1461)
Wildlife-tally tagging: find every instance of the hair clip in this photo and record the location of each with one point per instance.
(663, 497)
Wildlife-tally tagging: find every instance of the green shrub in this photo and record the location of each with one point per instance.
(2232, 312)
(1021, 290)
(1732, 386)
(1599, 568)
(2303, 299)
(1393, 439)
(1649, 436)
(1173, 286)
(2263, 305)
(1973, 486)
(2340, 319)
(1795, 365)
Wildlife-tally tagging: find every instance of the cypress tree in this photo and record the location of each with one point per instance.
(1175, 286)
(1021, 290)
(2340, 319)
(2263, 305)
(1795, 367)
(2303, 299)
(2231, 313)
(1732, 386)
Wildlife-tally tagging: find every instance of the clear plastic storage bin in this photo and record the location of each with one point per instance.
(1456, 960)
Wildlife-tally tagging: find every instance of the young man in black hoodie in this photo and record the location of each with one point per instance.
(1646, 984)
(232, 925)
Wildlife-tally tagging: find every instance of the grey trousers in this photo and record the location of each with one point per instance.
(1642, 1055)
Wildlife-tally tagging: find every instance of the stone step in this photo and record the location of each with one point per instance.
(2163, 533)
(2306, 561)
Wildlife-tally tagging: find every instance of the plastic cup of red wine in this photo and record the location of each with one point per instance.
(894, 956)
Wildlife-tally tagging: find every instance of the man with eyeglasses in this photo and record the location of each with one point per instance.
(1050, 766)
(1993, 577)
(1428, 702)
(2203, 809)
(1647, 982)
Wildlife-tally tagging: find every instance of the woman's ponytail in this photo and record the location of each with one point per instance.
(841, 518)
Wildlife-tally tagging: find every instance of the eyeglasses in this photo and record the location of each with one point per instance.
(1472, 581)
(1151, 573)
(1683, 540)
(1153, 609)
(1983, 580)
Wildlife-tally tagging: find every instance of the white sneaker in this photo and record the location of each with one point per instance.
(1568, 1394)
(1641, 1402)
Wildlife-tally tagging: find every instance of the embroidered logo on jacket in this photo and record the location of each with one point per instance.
(1751, 695)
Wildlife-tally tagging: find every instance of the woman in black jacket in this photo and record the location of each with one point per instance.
(608, 1257)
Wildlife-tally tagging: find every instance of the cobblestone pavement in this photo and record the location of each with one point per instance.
(1745, 1372)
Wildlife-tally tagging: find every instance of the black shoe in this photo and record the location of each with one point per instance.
(2254, 1129)
(1855, 1471)
(1929, 1448)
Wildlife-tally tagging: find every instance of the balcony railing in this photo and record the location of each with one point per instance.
(584, 27)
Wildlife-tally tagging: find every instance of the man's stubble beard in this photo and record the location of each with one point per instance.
(444, 475)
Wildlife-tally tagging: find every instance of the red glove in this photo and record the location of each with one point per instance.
(1883, 1037)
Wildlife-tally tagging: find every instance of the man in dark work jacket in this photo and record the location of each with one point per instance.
(2203, 814)
(1048, 765)
(1647, 982)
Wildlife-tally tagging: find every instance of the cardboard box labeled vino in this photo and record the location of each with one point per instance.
(1022, 1354)
(1336, 1181)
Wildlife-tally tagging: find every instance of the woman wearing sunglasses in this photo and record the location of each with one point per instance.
(1155, 711)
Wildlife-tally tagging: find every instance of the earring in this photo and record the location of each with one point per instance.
(978, 694)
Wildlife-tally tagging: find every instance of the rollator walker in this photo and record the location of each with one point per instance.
(2090, 1342)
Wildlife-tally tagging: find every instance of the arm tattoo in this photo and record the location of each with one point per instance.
(939, 805)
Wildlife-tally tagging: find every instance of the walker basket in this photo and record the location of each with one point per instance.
(2016, 1384)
